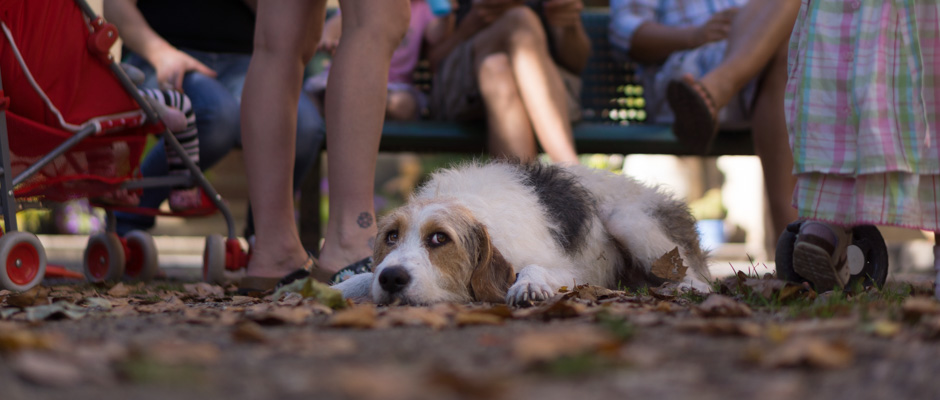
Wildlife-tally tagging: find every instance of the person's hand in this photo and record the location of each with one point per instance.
(171, 65)
(563, 13)
(489, 10)
(716, 28)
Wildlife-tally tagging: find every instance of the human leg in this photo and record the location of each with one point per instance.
(520, 35)
(355, 106)
(771, 142)
(758, 30)
(285, 38)
(401, 105)
(510, 132)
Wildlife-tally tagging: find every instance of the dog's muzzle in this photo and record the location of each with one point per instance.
(394, 279)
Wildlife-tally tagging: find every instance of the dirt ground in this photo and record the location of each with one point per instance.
(758, 338)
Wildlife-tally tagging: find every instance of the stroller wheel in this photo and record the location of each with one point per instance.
(24, 261)
(866, 238)
(104, 258)
(141, 256)
(213, 260)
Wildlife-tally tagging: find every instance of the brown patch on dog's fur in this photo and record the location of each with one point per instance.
(493, 275)
(454, 260)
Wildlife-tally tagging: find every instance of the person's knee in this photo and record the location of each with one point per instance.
(496, 79)
(401, 106)
(385, 28)
(217, 120)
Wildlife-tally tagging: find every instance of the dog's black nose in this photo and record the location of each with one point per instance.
(394, 279)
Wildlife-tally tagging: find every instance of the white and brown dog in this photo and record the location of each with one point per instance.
(509, 232)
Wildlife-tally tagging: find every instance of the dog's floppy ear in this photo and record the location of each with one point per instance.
(493, 275)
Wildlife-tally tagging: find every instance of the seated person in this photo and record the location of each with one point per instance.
(705, 63)
(201, 48)
(517, 66)
(405, 101)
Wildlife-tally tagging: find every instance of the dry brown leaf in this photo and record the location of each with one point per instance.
(38, 295)
(884, 328)
(545, 346)
(46, 369)
(204, 290)
(247, 331)
(360, 316)
(914, 308)
(309, 344)
(411, 316)
(721, 326)
(390, 382)
(277, 315)
(595, 293)
(809, 351)
(477, 318)
(765, 287)
(119, 290)
(172, 304)
(669, 266)
(243, 300)
(555, 308)
(717, 305)
(122, 311)
(22, 339)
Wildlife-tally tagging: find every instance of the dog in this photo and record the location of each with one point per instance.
(516, 233)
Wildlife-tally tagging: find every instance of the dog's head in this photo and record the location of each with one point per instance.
(436, 251)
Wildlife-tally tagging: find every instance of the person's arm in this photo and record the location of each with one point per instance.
(169, 63)
(572, 46)
(635, 29)
(482, 13)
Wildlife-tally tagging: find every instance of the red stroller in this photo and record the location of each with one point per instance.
(72, 125)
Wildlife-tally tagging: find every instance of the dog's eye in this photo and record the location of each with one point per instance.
(438, 238)
(392, 237)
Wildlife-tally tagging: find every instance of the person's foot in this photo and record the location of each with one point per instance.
(696, 113)
(819, 255)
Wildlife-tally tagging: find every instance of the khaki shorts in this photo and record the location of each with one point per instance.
(455, 93)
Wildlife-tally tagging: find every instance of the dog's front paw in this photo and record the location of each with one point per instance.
(357, 287)
(524, 293)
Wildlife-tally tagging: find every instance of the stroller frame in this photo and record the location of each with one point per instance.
(220, 254)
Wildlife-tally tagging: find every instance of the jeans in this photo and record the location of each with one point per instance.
(216, 102)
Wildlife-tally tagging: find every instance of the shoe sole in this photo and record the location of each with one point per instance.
(814, 264)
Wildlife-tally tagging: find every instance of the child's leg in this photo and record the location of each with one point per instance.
(401, 105)
(176, 111)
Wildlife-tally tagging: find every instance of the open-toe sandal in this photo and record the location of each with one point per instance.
(818, 260)
(359, 267)
(257, 284)
(696, 118)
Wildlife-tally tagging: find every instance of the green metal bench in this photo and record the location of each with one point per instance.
(613, 121)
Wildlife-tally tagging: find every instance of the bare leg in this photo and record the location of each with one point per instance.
(520, 35)
(285, 37)
(355, 109)
(510, 132)
(771, 142)
(936, 266)
(756, 34)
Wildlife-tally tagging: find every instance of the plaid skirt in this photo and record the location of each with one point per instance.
(863, 92)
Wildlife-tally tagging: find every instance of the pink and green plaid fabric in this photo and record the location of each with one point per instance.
(862, 105)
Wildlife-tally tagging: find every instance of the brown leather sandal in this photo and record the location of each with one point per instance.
(696, 117)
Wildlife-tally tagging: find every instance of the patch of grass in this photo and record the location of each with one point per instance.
(619, 327)
(577, 365)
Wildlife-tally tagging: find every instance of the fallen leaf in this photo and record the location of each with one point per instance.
(123, 311)
(411, 316)
(545, 346)
(555, 308)
(385, 382)
(204, 290)
(311, 288)
(721, 326)
(717, 305)
(38, 295)
(46, 369)
(22, 339)
(242, 300)
(248, 331)
(669, 266)
(119, 290)
(172, 304)
(175, 352)
(809, 351)
(884, 328)
(96, 303)
(360, 316)
(593, 293)
(58, 310)
(477, 318)
(914, 308)
(277, 315)
(766, 288)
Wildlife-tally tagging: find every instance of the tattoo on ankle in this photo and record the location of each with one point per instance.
(364, 220)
